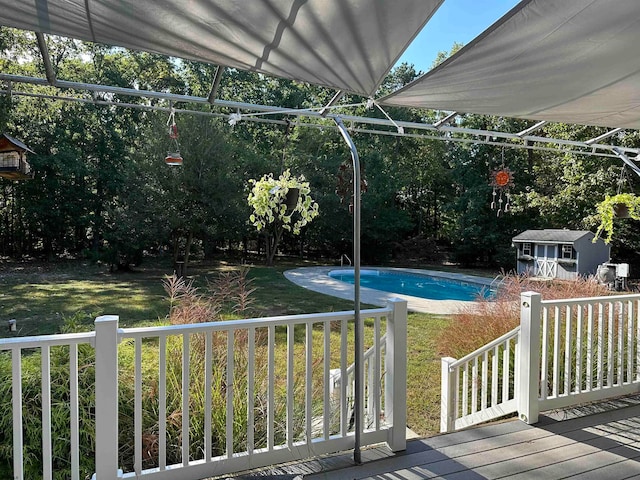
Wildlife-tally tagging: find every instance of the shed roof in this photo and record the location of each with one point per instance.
(8, 144)
(551, 235)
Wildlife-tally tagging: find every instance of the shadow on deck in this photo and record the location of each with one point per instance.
(599, 441)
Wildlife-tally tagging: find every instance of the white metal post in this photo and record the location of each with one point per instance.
(529, 357)
(447, 395)
(395, 391)
(106, 349)
(359, 353)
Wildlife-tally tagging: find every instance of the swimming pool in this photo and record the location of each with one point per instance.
(415, 284)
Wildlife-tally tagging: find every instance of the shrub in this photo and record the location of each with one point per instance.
(229, 293)
(487, 319)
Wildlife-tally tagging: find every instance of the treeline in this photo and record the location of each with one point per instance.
(101, 188)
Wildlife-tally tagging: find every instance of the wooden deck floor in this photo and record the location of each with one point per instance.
(594, 442)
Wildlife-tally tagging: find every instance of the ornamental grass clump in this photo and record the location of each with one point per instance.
(487, 319)
(187, 304)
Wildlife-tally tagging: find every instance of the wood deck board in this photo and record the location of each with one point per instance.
(602, 445)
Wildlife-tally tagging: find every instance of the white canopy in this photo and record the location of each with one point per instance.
(348, 45)
(571, 61)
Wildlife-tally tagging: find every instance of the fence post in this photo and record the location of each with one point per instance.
(528, 367)
(447, 396)
(106, 350)
(395, 385)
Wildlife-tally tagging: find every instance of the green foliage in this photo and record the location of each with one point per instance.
(607, 211)
(268, 199)
(101, 188)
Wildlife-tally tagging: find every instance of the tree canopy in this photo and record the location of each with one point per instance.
(101, 188)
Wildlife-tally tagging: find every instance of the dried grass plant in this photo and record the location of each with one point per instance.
(487, 319)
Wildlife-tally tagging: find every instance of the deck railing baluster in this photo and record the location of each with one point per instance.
(45, 368)
(230, 393)
(162, 402)
(74, 412)
(185, 398)
(137, 409)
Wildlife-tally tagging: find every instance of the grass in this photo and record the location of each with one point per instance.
(40, 297)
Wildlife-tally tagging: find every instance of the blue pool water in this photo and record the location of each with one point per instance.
(415, 285)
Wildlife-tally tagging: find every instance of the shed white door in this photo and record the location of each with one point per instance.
(546, 261)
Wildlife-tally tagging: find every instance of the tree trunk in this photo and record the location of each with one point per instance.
(187, 250)
(269, 248)
(272, 244)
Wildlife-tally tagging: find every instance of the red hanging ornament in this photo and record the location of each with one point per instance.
(501, 181)
(173, 131)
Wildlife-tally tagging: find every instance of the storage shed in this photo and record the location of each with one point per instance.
(559, 253)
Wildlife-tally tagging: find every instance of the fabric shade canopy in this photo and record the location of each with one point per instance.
(571, 61)
(348, 45)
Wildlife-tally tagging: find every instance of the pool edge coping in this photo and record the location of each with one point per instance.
(318, 280)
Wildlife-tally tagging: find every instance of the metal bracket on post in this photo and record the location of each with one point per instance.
(359, 355)
(627, 160)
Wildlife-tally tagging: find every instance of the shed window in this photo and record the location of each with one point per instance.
(526, 249)
(567, 251)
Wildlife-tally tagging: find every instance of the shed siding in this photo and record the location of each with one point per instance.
(591, 254)
(588, 255)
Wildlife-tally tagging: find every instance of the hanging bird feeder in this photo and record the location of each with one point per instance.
(13, 159)
(173, 158)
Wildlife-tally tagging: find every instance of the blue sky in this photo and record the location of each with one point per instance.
(455, 21)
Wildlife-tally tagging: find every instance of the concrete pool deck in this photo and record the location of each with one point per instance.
(318, 280)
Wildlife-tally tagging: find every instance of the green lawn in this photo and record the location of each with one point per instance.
(41, 297)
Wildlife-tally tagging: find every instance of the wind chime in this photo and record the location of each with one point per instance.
(501, 181)
(173, 158)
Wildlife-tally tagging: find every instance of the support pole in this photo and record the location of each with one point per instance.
(46, 59)
(359, 354)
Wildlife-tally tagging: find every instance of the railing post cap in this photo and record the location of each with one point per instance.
(107, 318)
(530, 294)
(396, 301)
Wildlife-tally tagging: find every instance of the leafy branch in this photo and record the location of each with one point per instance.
(610, 207)
(271, 215)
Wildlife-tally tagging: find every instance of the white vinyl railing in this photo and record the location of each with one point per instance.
(590, 348)
(564, 352)
(480, 386)
(373, 368)
(42, 346)
(210, 399)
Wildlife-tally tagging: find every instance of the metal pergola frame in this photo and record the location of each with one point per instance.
(441, 130)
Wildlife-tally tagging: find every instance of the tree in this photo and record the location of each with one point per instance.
(272, 215)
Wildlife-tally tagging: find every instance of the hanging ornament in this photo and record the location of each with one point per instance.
(344, 188)
(173, 158)
(501, 181)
